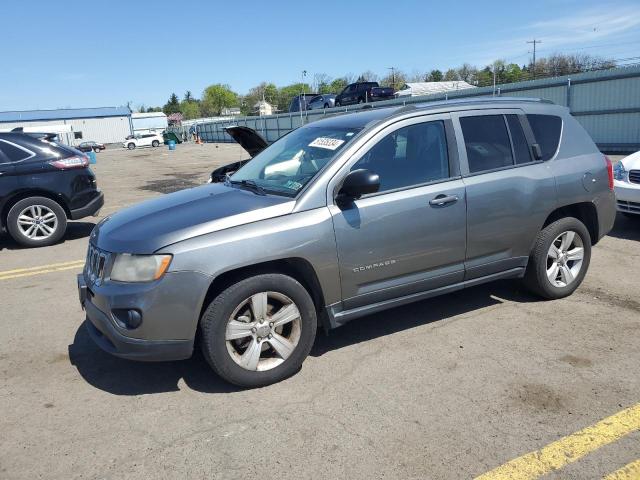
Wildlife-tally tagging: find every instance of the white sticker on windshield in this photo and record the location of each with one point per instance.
(326, 142)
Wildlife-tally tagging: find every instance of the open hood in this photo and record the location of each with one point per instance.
(248, 139)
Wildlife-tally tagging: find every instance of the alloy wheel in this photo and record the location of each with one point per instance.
(37, 222)
(263, 331)
(564, 259)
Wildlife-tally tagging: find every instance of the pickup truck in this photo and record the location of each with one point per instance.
(363, 92)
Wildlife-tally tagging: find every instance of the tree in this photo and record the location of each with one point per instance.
(190, 109)
(337, 85)
(321, 82)
(286, 94)
(451, 75)
(368, 76)
(217, 97)
(188, 97)
(468, 73)
(435, 76)
(141, 108)
(172, 106)
(395, 80)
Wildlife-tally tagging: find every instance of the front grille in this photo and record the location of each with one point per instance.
(95, 264)
(634, 176)
(632, 207)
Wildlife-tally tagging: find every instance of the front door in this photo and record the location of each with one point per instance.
(410, 236)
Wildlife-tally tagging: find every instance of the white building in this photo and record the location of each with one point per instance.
(149, 122)
(415, 89)
(73, 125)
(262, 108)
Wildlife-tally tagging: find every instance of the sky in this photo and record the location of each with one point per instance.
(108, 53)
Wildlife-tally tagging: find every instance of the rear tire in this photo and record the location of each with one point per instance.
(155, 143)
(96, 150)
(131, 146)
(559, 260)
(251, 304)
(36, 222)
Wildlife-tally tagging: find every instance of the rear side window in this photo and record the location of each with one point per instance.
(546, 130)
(520, 146)
(487, 142)
(13, 152)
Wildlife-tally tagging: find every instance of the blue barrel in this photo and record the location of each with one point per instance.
(172, 144)
(92, 157)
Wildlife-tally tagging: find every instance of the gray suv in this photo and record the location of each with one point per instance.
(344, 217)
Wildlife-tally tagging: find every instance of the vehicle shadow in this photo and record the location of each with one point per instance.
(75, 230)
(124, 377)
(626, 228)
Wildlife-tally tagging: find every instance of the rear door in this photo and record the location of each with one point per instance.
(8, 182)
(509, 193)
(408, 237)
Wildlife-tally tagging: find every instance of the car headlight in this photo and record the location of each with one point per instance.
(619, 173)
(139, 268)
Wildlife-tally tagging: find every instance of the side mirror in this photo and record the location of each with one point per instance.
(357, 183)
(536, 151)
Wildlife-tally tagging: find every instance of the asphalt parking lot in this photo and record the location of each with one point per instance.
(454, 387)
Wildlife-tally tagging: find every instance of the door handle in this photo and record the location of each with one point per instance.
(443, 200)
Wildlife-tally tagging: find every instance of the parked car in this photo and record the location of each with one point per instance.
(91, 146)
(300, 102)
(363, 92)
(320, 102)
(627, 185)
(248, 139)
(42, 185)
(345, 217)
(145, 140)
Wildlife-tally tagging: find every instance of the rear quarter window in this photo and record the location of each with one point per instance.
(13, 152)
(546, 130)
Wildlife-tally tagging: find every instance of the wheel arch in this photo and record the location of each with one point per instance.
(586, 212)
(296, 267)
(21, 195)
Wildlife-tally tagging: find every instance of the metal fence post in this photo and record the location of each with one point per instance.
(569, 94)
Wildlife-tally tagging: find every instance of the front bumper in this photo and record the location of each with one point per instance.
(627, 197)
(170, 311)
(91, 208)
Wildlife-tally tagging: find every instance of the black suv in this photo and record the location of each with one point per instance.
(42, 184)
(363, 92)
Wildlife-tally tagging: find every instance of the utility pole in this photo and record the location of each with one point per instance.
(534, 41)
(301, 102)
(393, 76)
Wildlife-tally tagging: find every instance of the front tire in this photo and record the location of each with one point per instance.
(36, 222)
(131, 146)
(259, 330)
(96, 150)
(559, 260)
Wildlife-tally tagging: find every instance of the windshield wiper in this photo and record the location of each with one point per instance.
(250, 185)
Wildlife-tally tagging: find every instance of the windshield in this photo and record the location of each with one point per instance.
(292, 161)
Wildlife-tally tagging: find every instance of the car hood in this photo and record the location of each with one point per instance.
(632, 162)
(248, 139)
(151, 225)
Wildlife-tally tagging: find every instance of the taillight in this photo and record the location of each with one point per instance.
(609, 172)
(76, 161)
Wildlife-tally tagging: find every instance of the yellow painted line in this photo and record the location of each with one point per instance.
(41, 270)
(568, 449)
(51, 265)
(628, 472)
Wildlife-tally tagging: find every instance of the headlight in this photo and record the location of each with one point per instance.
(139, 268)
(619, 173)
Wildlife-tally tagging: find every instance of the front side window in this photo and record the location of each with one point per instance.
(291, 162)
(410, 156)
(487, 142)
